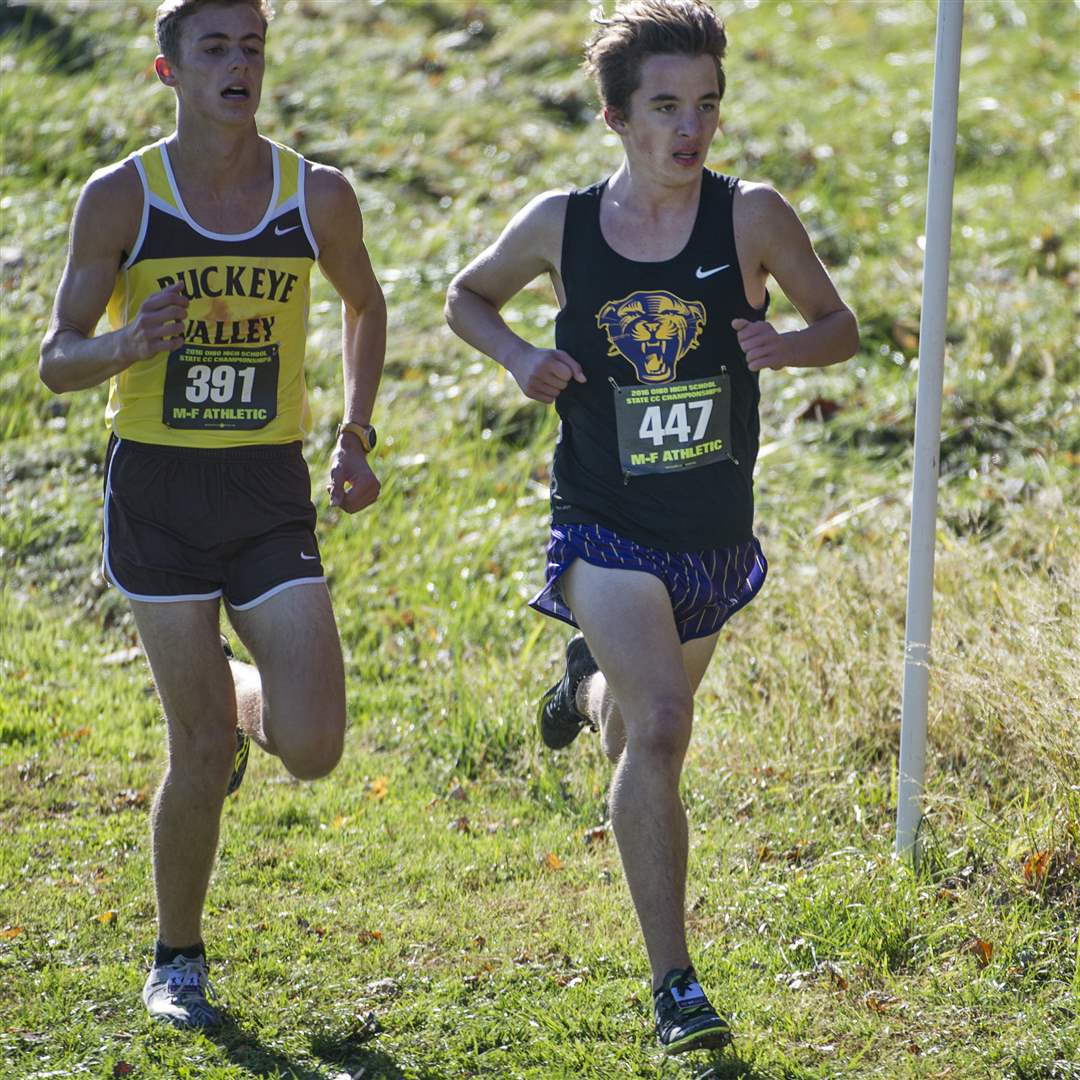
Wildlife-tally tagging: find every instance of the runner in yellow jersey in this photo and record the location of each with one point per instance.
(200, 247)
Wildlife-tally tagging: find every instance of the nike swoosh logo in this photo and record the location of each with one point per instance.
(702, 273)
(279, 231)
(309, 558)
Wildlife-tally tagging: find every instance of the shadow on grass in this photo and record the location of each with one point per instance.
(733, 1067)
(344, 1052)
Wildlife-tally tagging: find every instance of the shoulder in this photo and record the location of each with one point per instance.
(328, 188)
(114, 187)
(545, 211)
(332, 206)
(758, 202)
(539, 223)
(762, 212)
(110, 205)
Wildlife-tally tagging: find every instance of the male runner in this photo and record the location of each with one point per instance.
(660, 271)
(200, 247)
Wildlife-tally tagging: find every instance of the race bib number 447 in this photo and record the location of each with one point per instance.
(679, 425)
(229, 388)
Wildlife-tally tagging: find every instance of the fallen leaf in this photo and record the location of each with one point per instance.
(458, 792)
(10, 932)
(982, 951)
(339, 822)
(820, 409)
(106, 918)
(367, 936)
(906, 336)
(596, 835)
(123, 1068)
(378, 788)
(460, 824)
(78, 733)
(1036, 867)
(552, 861)
(880, 1002)
(130, 799)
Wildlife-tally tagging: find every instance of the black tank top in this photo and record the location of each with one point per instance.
(681, 309)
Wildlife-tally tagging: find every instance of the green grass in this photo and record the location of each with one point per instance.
(417, 884)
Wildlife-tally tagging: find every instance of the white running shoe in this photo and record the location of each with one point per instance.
(176, 993)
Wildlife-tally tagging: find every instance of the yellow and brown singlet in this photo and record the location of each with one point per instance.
(238, 379)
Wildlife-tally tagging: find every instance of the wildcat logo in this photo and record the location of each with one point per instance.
(653, 330)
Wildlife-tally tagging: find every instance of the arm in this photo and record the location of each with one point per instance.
(339, 231)
(103, 229)
(528, 246)
(778, 245)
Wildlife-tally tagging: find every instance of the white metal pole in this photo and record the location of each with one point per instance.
(924, 489)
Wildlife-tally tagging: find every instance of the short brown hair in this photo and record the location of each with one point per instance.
(172, 13)
(643, 28)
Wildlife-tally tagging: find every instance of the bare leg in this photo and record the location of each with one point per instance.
(300, 715)
(249, 704)
(626, 618)
(296, 708)
(193, 680)
(597, 702)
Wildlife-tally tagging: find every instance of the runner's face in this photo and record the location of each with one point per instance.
(672, 117)
(220, 70)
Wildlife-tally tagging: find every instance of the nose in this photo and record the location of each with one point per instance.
(689, 122)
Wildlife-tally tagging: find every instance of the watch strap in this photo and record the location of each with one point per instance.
(364, 432)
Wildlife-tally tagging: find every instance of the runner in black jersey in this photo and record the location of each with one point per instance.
(660, 272)
(201, 247)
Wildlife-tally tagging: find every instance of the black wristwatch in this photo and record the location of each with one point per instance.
(364, 432)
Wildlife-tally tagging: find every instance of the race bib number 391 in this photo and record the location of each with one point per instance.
(229, 388)
(679, 425)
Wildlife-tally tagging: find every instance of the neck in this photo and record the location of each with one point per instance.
(215, 157)
(632, 187)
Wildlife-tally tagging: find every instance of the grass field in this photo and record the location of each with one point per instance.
(450, 903)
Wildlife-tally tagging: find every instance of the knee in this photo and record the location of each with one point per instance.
(664, 733)
(204, 756)
(316, 752)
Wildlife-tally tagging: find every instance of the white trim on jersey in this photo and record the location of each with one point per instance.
(301, 191)
(272, 210)
(147, 196)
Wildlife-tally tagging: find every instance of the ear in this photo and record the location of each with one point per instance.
(615, 120)
(164, 71)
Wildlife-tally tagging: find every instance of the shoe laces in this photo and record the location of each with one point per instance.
(188, 976)
(678, 988)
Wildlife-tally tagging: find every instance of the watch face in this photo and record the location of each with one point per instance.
(371, 438)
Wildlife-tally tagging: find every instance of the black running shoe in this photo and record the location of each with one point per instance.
(243, 742)
(558, 716)
(684, 1018)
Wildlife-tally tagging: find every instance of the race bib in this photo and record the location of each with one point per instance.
(678, 425)
(210, 386)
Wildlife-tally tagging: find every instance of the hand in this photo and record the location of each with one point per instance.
(543, 374)
(352, 483)
(159, 324)
(763, 345)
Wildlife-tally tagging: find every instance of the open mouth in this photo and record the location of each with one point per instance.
(685, 157)
(235, 92)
